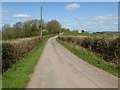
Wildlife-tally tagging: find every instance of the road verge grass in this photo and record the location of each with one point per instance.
(18, 75)
(91, 58)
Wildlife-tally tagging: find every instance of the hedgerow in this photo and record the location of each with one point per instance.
(108, 49)
(14, 50)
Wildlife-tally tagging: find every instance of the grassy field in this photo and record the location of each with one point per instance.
(91, 58)
(18, 75)
(67, 33)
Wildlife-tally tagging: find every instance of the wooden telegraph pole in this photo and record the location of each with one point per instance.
(41, 20)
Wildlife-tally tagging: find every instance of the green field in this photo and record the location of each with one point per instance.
(18, 75)
(73, 33)
(91, 58)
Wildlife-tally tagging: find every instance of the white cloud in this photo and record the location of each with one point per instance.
(105, 18)
(21, 16)
(99, 23)
(71, 7)
(3, 11)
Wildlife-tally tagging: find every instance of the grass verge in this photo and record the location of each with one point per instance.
(91, 58)
(18, 75)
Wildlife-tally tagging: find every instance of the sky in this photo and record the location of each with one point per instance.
(59, 0)
(88, 16)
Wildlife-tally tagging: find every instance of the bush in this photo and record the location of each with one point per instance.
(98, 45)
(113, 51)
(15, 50)
(7, 56)
(86, 43)
(108, 49)
(71, 39)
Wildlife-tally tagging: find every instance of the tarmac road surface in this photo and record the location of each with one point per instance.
(59, 68)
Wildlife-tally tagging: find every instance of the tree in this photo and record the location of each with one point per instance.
(18, 25)
(6, 32)
(6, 26)
(29, 28)
(17, 30)
(53, 27)
(82, 31)
(65, 30)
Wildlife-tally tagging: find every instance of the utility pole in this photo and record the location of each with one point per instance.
(41, 21)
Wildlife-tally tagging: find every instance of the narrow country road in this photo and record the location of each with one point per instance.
(59, 68)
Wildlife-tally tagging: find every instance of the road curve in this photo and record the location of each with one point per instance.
(59, 68)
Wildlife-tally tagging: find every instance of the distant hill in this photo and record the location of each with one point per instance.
(108, 32)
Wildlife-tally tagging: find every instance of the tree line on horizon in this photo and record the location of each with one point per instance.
(30, 28)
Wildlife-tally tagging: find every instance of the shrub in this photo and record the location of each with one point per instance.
(15, 50)
(108, 49)
(7, 56)
(86, 43)
(78, 40)
(71, 39)
(113, 51)
(98, 45)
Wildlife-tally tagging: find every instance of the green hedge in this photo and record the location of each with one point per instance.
(76, 40)
(14, 50)
(108, 49)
